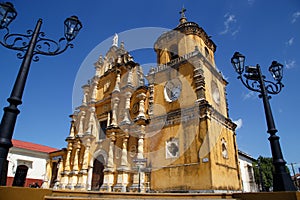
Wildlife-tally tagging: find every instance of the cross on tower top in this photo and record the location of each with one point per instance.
(182, 13)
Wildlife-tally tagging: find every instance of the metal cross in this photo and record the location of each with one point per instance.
(183, 10)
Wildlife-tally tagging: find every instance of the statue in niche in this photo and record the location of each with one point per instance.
(224, 148)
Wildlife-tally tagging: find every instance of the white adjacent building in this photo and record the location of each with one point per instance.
(26, 163)
(247, 172)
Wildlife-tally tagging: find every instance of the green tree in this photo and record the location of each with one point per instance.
(263, 172)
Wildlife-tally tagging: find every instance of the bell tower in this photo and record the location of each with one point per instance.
(195, 150)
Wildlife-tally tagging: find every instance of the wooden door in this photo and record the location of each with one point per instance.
(20, 176)
(98, 175)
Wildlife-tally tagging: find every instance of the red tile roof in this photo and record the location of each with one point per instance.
(32, 146)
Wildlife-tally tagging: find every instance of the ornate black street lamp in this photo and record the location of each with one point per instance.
(255, 81)
(29, 46)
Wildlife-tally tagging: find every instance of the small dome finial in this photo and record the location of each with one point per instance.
(182, 13)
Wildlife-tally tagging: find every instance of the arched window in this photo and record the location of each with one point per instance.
(20, 176)
(206, 52)
(173, 52)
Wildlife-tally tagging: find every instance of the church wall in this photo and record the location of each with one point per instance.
(188, 43)
(223, 157)
(219, 100)
(181, 172)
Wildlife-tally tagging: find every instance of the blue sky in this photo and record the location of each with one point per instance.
(263, 30)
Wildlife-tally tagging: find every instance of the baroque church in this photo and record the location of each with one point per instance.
(166, 130)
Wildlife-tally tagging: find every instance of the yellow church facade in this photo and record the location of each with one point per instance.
(164, 131)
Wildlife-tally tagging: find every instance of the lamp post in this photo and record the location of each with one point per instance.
(29, 46)
(253, 79)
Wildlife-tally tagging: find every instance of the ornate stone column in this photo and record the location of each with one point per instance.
(129, 78)
(140, 154)
(47, 177)
(109, 168)
(65, 174)
(59, 173)
(66, 180)
(85, 94)
(75, 170)
(123, 170)
(89, 178)
(140, 164)
(81, 123)
(83, 173)
(114, 120)
(118, 80)
(126, 119)
(94, 89)
(92, 110)
(98, 66)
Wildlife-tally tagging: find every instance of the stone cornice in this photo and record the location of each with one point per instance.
(202, 110)
(207, 111)
(195, 58)
(188, 28)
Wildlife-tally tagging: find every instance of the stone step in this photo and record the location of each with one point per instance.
(106, 198)
(134, 196)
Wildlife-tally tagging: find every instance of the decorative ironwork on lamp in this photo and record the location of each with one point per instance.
(28, 45)
(253, 79)
(7, 13)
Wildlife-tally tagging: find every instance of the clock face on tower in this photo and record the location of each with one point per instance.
(172, 90)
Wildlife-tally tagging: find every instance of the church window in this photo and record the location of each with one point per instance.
(250, 173)
(103, 126)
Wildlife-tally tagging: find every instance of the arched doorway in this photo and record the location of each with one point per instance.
(98, 175)
(20, 176)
